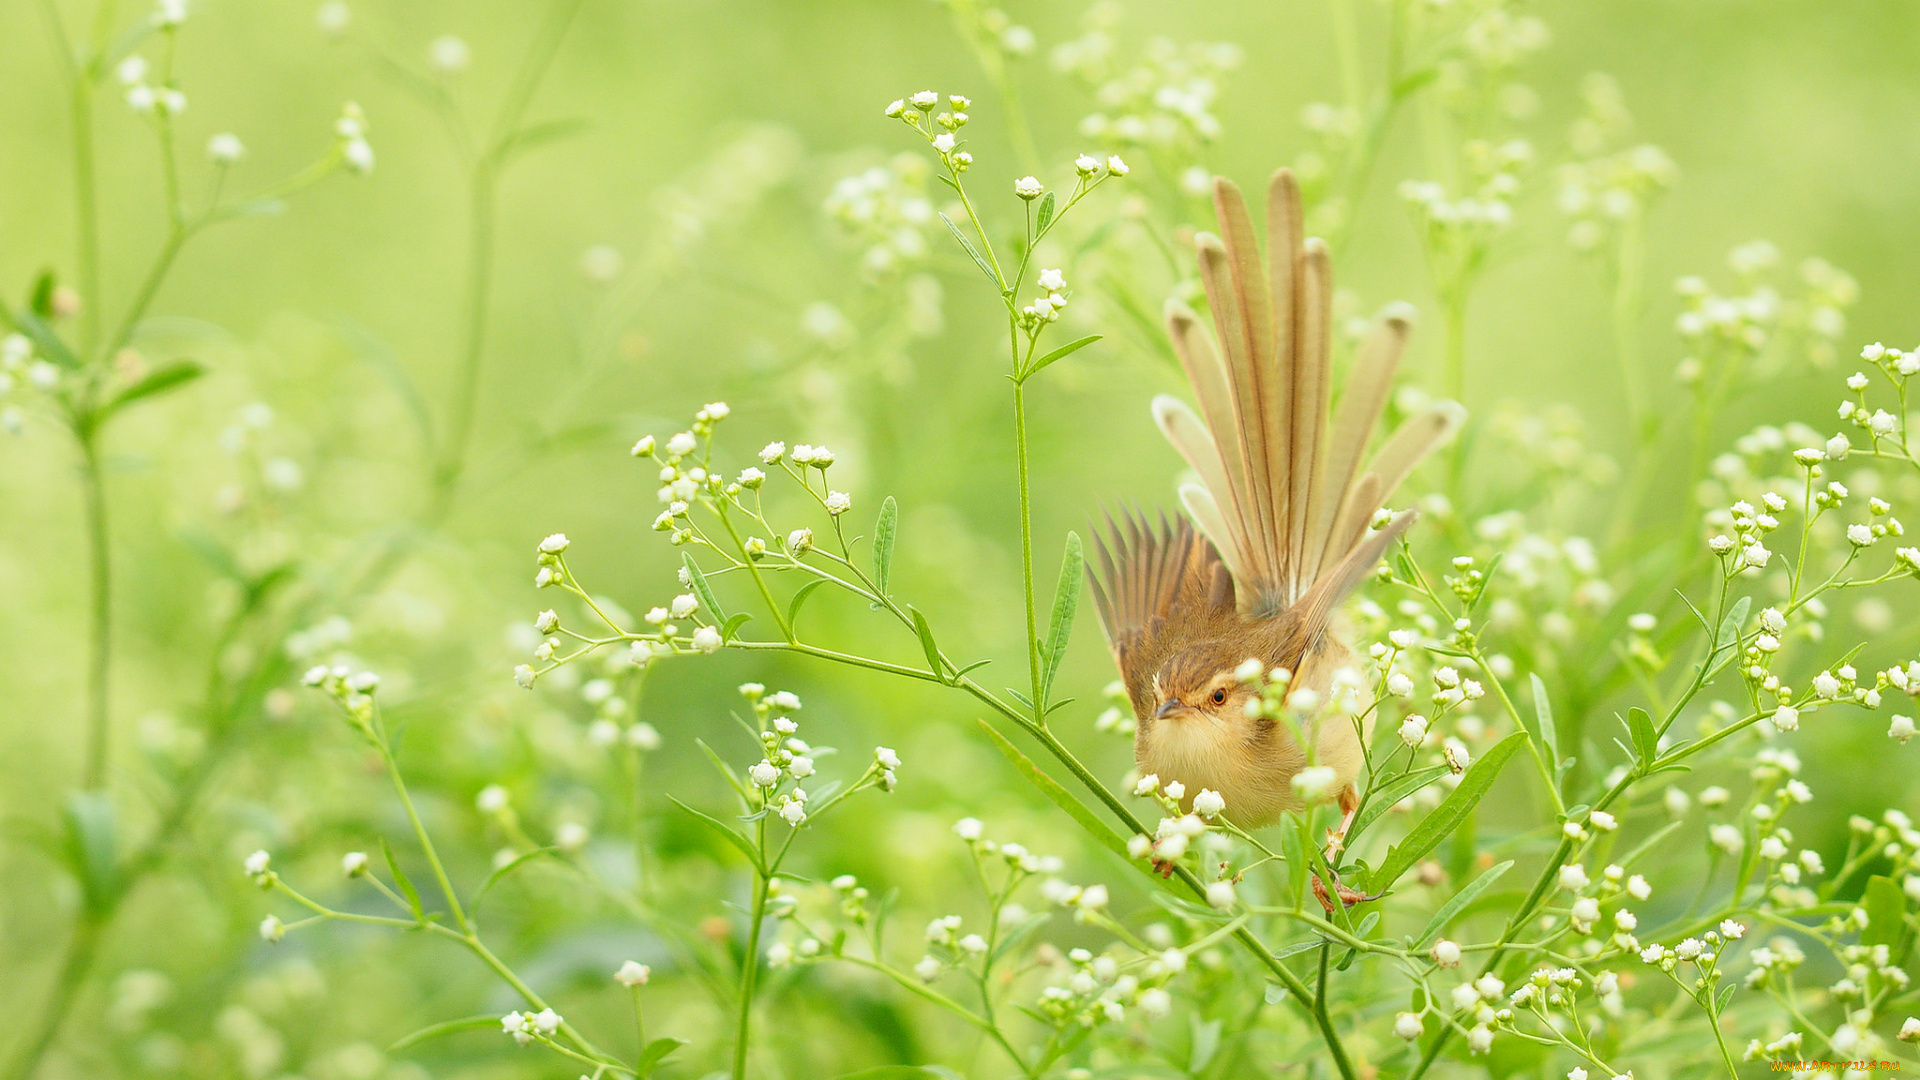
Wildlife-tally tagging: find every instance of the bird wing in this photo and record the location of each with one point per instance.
(1289, 497)
(1156, 585)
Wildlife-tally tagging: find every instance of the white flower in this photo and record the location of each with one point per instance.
(772, 452)
(1457, 757)
(554, 545)
(272, 929)
(1860, 536)
(1901, 729)
(801, 767)
(1314, 782)
(1147, 785)
(1573, 877)
(492, 799)
(1407, 1026)
(1175, 791)
(1586, 912)
(838, 502)
(448, 54)
(1413, 730)
(633, 973)
(1731, 930)
(1727, 838)
(570, 836)
(1399, 684)
(1092, 898)
(793, 813)
(168, 13)
(928, 969)
(1625, 921)
(353, 863)
(764, 774)
(1576, 1073)
(1053, 280)
(1465, 996)
(546, 1021)
(226, 148)
(1116, 166)
(944, 142)
(800, 541)
(1480, 1039)
(1910, 1031)
(257, 862)
(1603, 821)
(1220, 895)
(1209, 803)
(643, 736)
(1713, 796)
(684, 605)
(1156, 1003)
(1446, 953)
(886, 757)
(707, 639)
(517, 1025)
(1028, 187)
(968, 829)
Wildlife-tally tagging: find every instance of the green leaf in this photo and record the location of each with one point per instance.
(701, 589)
(1108, 836)
(1646, 742)
(800, 597)
(370, 349)
(1011, 939)
(1650, 843)
(884, 533)
(92, 848)
(156, 382)
(1066, 602)
(977, 260)
(725, 770)
(656, 1052)
(1058, 354)
(1206, 1043)
(925, 634)
(1045, 216)
(509, 868)
(1456, 903)
(731, 628)
(1886, 909)
(445, 1028)
(46, 344)
(534, 136)
(1275, 993)
(1386, 796)
(400, 878)
(1449, 815)
(1543, 709)
(732, 835)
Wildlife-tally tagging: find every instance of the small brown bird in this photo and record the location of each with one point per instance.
(1283, 510)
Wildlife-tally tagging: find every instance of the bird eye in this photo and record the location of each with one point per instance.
(1220, 696)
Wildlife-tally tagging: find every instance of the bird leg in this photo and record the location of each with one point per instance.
(1336, 841)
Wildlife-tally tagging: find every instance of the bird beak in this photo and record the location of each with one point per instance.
(1167, 708)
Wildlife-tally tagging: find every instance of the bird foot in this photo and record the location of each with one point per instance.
(1348, 895)
(1163, 868)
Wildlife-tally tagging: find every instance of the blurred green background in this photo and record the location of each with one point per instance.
(714, 131)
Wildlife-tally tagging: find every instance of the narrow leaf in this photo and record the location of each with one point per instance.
(158, 381)
(701, 589)
(725, 770)
(1645, 740)
(92, 848)
(977, 260)
(1045, 216)
(534, 136)
(656, 1052)
(406, 884)
(1886, 909)
(1457, 903)
(445, 1028)
(884, 532)
(517, 862)
(1066, 602)
(1386, 796)
(1061, 797)
(925, 633)
(1060, 353)
(733, 835)
(800, 597)
(1449, 815)
(731, 628)
(1543, 709)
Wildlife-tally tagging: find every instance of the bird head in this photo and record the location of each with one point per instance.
(1194, 684)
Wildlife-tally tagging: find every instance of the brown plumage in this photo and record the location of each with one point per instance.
(1280, 517)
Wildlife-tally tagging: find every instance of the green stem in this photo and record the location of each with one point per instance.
(81, 948)
(466, 387)
(1026, 544)
(426, 843)
(100, 653)
(749, 971)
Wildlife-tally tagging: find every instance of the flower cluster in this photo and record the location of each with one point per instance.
(1163, 100)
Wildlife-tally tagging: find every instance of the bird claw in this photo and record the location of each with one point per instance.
(1163, 868)
(1348, 896)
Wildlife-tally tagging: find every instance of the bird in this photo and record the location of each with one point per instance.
(1279, 526)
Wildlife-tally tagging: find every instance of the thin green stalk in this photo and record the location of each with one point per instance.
(1026, 545)
(750, 966)
(100, 632)
(466, 387)
(426, 842)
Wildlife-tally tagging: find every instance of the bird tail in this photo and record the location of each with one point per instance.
(1283, 492)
